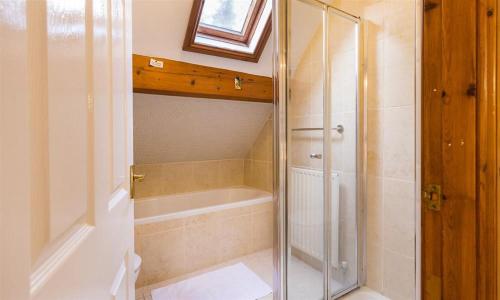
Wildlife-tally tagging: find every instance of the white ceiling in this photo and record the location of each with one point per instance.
(169, 129)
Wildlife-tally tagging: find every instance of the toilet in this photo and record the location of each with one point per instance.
(137, 266)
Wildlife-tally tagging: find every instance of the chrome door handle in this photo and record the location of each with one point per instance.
(316, 155)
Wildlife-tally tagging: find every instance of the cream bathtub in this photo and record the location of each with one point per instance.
(183, 233)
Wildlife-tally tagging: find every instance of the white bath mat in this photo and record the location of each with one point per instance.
(236, 282)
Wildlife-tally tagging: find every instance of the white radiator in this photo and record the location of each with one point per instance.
(306, 199)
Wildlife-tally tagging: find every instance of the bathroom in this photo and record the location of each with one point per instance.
(205, 202)
(216, 149)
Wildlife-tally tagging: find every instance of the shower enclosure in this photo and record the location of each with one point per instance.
(320, 155)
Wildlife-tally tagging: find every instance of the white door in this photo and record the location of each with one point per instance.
(66, 217)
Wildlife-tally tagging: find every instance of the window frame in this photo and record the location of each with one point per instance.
(253, 17)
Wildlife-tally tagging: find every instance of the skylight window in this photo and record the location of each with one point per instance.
(236, 29)
(227, 15)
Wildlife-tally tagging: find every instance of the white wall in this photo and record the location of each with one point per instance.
(159, 27)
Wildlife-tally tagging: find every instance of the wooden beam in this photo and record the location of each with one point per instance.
(184, 79)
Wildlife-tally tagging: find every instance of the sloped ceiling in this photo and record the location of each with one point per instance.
(170, 129)
(159, 27)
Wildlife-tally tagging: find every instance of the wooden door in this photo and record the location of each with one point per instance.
(65, 115)
(459, 149)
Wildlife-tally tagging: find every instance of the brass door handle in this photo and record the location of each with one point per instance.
(138, 177)
(133, 178)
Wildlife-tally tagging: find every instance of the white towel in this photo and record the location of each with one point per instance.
(236, 282)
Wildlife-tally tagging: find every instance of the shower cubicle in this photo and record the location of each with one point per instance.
(320, 154)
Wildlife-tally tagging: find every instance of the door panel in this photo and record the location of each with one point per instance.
(323, 110)
(449, 237)
(118, 79)
(65, 113)
(345, 107)
(306, 248)
(66, 145)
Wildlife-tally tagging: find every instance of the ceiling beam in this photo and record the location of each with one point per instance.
(154, 75)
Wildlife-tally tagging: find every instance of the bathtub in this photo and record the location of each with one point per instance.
(183, 233)
(162, 208)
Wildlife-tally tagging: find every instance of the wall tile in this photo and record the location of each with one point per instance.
(183, 177)
(399, 73)
(374, 265)
(261, 174)
(234, 237)
(262, 236)
(399, 216)
(156, 248)
(399, 276)
(177, 247)
(205, 174)
(156, 227)
(177, 178)
(200, 246)
(375, 73)
(374, 14)
(375, 210)
(231, 172)
(258, 164)
(375, 142)
(399, 20)
(399, 143)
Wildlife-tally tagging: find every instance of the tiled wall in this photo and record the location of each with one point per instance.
(258, 163)
(391, 147)
(390, 36)
(182, 177)
(177, 247)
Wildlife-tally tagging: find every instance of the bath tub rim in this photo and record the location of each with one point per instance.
(202, 210)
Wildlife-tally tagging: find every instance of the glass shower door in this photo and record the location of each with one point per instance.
(323, 138)
(306, 93)
(343, 115)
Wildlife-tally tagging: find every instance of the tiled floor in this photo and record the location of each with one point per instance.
(306, 286)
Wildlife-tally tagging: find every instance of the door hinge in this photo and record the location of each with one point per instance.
(433, 197)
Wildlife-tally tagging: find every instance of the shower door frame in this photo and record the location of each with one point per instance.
(281, 36)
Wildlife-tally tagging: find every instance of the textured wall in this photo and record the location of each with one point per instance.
(174, 129)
